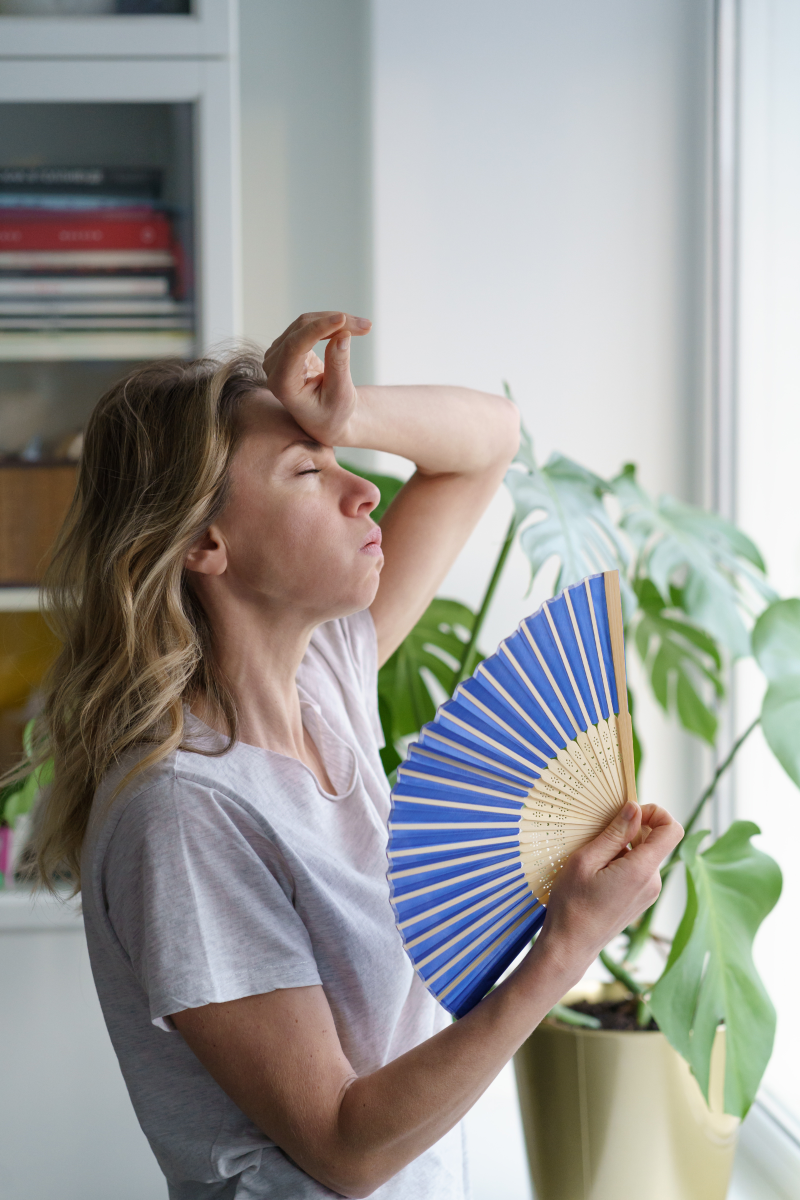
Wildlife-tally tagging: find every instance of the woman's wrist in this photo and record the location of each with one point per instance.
(553, 966)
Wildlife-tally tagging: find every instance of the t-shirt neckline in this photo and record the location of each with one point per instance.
(338, 756)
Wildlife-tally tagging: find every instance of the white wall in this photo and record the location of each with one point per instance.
(539, 206)
(306, 192)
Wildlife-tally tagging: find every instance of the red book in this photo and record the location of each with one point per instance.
(103, 230)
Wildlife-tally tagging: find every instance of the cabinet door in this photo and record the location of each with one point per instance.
(210, 86)
(209, 29)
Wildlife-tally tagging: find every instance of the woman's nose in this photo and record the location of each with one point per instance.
(361, 497)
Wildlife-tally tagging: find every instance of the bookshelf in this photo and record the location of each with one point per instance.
(115, 92)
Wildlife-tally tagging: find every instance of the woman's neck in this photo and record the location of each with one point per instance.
(258, 653)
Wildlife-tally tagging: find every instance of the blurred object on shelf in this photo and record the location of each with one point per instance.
(90, 266)
(70, 447)
(17, 800)
(34, 498)
(94, 8)
(32, 451)
(53, 400)
(27, 648)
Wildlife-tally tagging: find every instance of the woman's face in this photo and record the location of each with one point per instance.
(297, 530)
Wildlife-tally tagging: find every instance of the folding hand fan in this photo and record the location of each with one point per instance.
(528, 761)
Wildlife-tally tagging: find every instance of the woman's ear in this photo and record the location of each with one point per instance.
(207, 556)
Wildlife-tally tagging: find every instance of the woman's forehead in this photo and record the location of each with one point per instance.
(265, 417)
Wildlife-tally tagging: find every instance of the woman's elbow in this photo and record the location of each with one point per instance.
(354, 1176)
(513, 425)
(505, 430)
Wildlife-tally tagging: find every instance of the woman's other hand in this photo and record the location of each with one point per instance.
(607, 884)
(320, 396)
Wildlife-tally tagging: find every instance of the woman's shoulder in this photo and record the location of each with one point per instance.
(137, 791)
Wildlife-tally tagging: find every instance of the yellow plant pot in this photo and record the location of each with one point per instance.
(618, 1116)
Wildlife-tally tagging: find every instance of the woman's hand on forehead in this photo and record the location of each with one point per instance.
(319, 395)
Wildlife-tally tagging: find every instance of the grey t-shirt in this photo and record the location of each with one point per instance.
(208, 879)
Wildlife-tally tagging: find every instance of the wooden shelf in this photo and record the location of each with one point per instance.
(19, 599)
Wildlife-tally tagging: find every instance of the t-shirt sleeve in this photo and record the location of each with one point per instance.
(201, 901)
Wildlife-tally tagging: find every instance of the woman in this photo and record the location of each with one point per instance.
(225, 603)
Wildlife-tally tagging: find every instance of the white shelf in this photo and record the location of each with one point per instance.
(94, 347)
(21, 912)
(211, 86)
(209, 32)
(19, 599)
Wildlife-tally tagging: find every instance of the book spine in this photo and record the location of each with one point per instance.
(75, 260)
(56, 286)
(108, 232)
(58, 306)
(34, 324)
(141, 181)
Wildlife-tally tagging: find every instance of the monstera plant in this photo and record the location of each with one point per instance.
(696, 599)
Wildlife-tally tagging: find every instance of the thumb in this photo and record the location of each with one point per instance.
(615, 837)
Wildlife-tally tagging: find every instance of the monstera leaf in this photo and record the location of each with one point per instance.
(776, 645)
(683, 662)
(387, 485)
(712, 561)
(573, 525)
(710, 976)
(433, 648)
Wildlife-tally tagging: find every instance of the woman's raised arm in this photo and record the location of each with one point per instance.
(460, 440)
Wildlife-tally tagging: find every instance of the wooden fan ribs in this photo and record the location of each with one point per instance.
(521, 768)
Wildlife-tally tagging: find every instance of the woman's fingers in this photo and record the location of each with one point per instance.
(665, 833)
(337, 384)
(649, 827)
(615, 837)
(304, 333)
(285, 360)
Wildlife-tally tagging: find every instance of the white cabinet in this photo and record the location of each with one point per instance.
(67, 1128)
(208, 30)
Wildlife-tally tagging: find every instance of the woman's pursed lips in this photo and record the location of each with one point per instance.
(372, 542)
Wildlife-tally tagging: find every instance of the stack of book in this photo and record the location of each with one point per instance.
(90, 267)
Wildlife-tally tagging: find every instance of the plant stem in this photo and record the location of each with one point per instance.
(638, 936)
(619, 973)
(570, 1017)
(464, 668)
(708, 793)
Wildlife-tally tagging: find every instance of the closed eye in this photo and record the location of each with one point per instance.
(310, 471)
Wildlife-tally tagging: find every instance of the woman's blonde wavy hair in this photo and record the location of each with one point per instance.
(136, 643)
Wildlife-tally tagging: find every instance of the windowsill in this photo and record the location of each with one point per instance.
(767, 1161)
